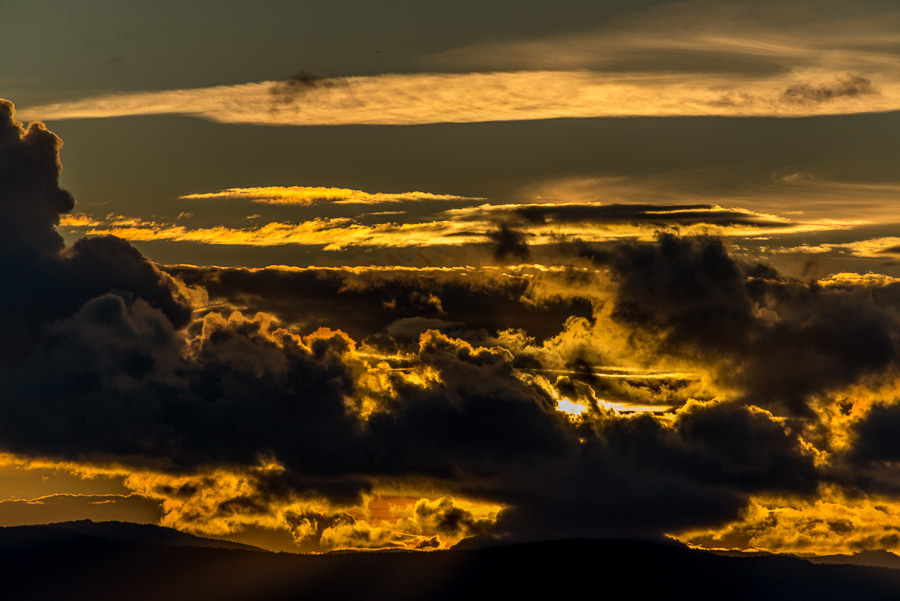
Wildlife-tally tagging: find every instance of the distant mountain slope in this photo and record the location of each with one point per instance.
(42, 563)
(127, 532)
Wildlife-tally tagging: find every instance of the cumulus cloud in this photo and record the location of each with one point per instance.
(778, 340)
(44, 281)
(29, 191)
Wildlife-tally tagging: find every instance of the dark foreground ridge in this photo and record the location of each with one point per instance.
(128, 532)
(46, 562)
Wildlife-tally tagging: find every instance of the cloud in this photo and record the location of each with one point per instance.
(44, 280)
(371, 301)
(715, 197)
(30, 196)
(785, 340)
(424, 524)
(624, 214)
(741, 39)
(509, 243)
(296, 86)
(328, 233)
(479, 97)
(868, 247)
(850, 85)
(832, 522)
(304, 195)
(543, 224)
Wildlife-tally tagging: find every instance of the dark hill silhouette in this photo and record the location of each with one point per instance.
(41, 562)
(882, 559)
(128, 532)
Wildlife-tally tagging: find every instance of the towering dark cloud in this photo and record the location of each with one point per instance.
(43, 280)
(30, 197)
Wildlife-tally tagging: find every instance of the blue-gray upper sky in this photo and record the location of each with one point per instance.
(785, 109)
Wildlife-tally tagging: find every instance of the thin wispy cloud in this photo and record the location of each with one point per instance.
(704, 38)
(307, 195)
(501, 96)
(535, 224)
(798, 196)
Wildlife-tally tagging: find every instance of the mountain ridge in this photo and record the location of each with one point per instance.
(130, 532)
(43, 562)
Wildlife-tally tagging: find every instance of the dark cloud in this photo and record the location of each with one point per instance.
(660, 215)
(624, 214)
(291, 89)
(43, 281)
(30, 197)
(655, 479)
(687, 290)
(591, 252)
(869, 465)
(509, 242)
(876, 436)
(368, 302)
(448, 518)
(848, 86)
(779, 340)
(480, 431)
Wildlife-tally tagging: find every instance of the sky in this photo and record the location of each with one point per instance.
(394, 275)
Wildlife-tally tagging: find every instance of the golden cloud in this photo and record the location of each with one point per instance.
(466, 226)
(306, 195)
(498, 96)
(833, 522)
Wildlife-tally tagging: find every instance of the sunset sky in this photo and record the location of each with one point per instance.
(321, 276)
